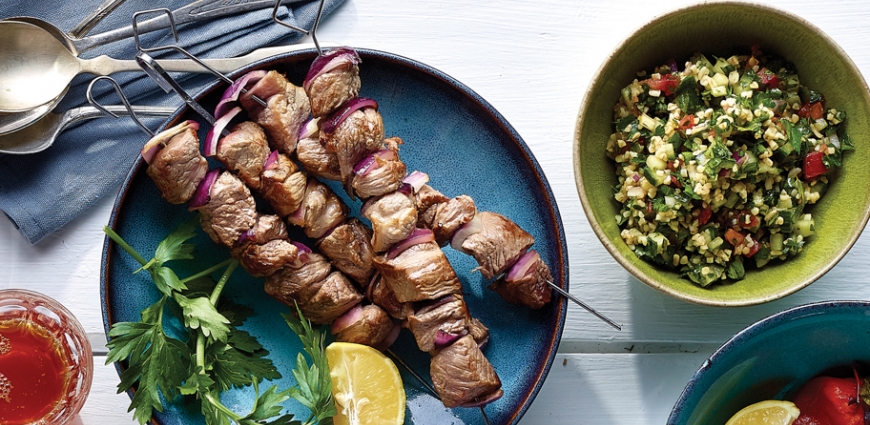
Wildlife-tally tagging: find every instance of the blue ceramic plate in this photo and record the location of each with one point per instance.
(466, 147)
(773, 358)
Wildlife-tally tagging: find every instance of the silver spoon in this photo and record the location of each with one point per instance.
(41, 135)
(196, 11)
(35, 68)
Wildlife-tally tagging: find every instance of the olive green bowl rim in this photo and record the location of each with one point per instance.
(587, 205)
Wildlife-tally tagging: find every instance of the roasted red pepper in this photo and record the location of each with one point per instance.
(826, 400)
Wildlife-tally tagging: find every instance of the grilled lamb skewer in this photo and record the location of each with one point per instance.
(393, 214)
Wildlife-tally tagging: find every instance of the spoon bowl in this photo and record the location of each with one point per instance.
(36, 69)
(14, 121)
(57, 33)
(41, 134)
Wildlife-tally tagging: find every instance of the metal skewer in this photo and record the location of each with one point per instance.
(312, 32)
(584, 305)
(124, 100)
(153, 69)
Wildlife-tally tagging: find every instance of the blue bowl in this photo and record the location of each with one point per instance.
(773, 358)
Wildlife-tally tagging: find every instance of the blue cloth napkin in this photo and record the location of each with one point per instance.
(42, 192)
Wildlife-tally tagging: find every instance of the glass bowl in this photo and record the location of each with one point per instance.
(38, 333)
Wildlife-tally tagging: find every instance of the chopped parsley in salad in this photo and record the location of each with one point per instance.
(717, 162)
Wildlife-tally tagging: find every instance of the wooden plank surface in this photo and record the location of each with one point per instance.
(533, 61)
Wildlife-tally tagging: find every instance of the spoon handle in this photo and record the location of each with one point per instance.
(196, 11)
(94, 18)
(89, 112)
(104, 65)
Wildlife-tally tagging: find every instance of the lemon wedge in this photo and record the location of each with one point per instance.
(366, 386)
(768, 412)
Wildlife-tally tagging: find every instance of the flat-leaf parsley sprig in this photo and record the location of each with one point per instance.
(217, 355)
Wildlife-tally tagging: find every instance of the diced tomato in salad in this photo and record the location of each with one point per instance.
(667, 83)
(769, 78)
(704, 215)
(814, 110)
(814, 166)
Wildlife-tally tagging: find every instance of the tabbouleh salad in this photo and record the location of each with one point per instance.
(717, 162)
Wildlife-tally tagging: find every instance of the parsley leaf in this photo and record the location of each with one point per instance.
(199, 313)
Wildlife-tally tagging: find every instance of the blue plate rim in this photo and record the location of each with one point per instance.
(303, 54)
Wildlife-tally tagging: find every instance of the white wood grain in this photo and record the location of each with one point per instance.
(533, 61)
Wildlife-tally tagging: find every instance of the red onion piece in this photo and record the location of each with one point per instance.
(522, 266)
(635, 177)
(231, 94)
(302, 256)
(336, 118)
(156, 143)
(214, 135)
(406, 189)
(391, 337)
(297, 218)
(310, 128)
(370, 162)
(472, 227)
(246, 237)
(418, 236)
(486, 400)
(348, 318)
(443, 339)
(329, 61)
(271, 162)
(201, 196)
(417, 180)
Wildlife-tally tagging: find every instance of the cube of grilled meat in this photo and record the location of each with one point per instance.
(420, 272)
(264, 248)
(479, 332)
(462, 376)
(230, 211)
(283, 186)
(382, 295)
(316, 160)
(359, 135)
(393, 217)
(178, 167)
(286, 111)
(427, 197)
(371, 326)
(348, 248)
(321, 210)
(526, 282)
(439, 324)
(287, 284)
(268, 228)
(326, 300)
(445, 218)
(331, 89)
(265, 259)
(498, 245)
(244, 151)
(383, 174)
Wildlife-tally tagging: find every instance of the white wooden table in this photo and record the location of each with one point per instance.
(532, 60)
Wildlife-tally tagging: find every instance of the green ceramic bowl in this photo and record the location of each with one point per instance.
(723, 28)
